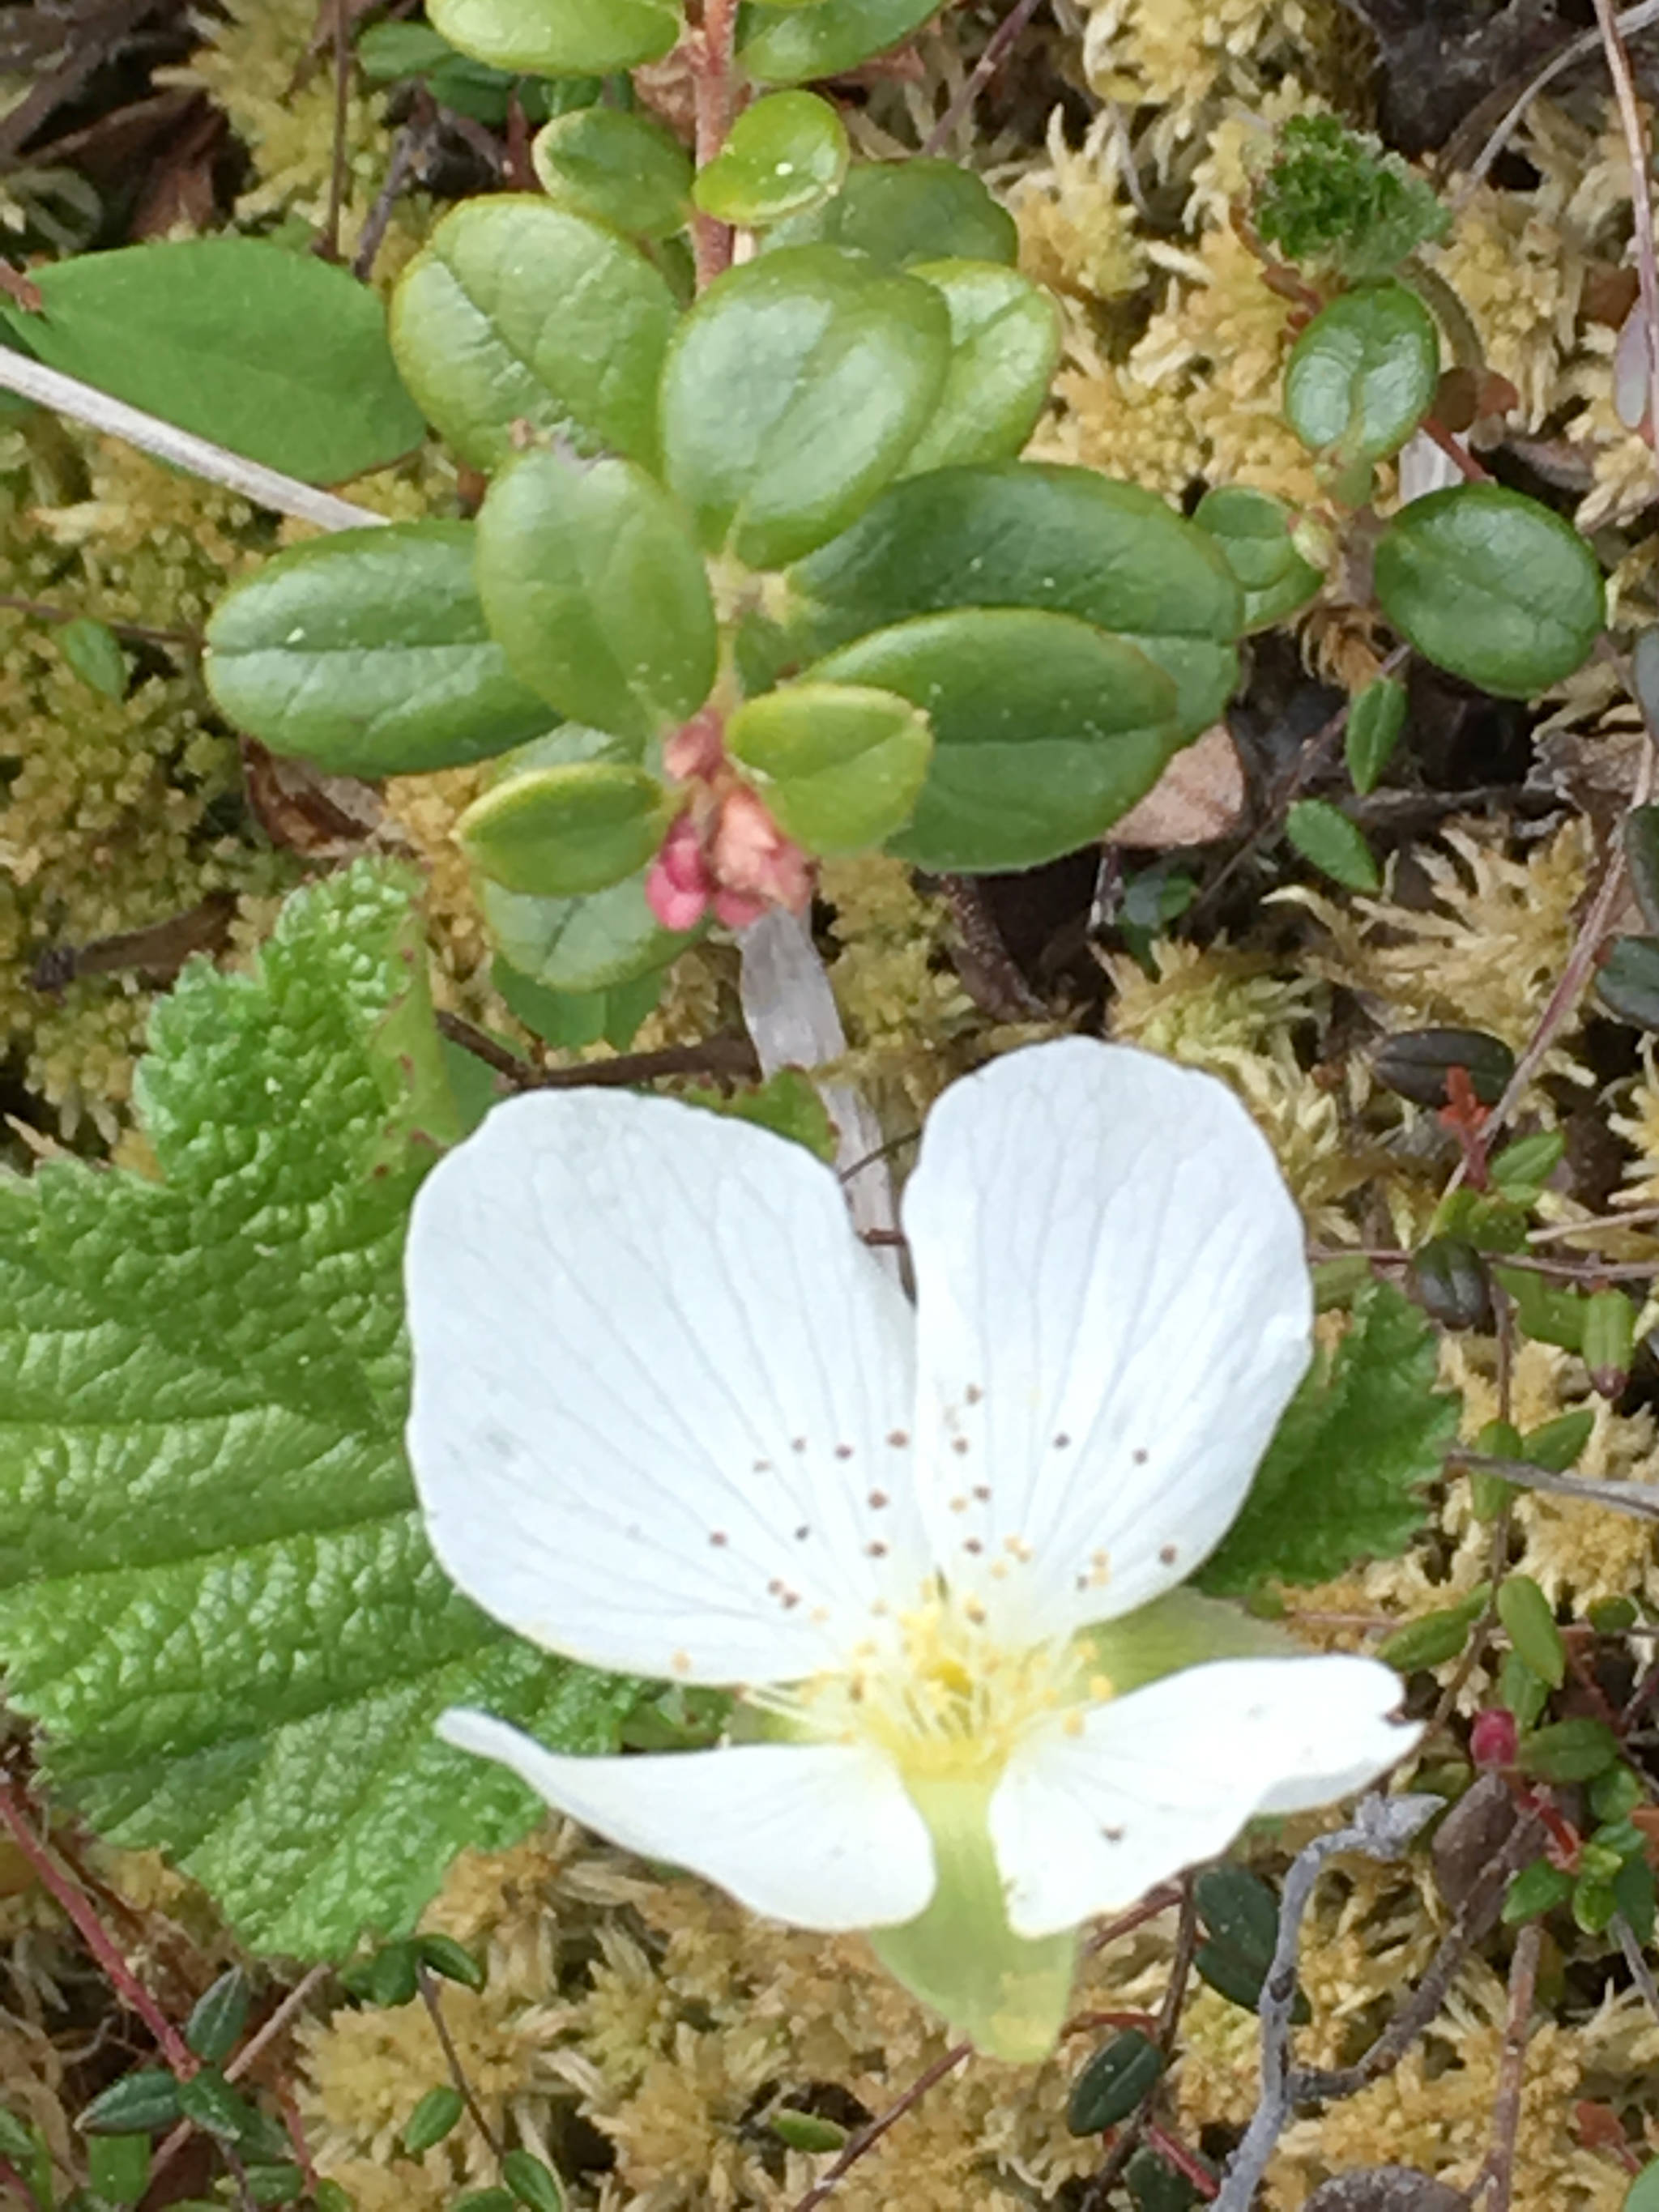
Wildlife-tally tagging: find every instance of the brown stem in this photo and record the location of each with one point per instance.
(716, 66)
(93, 1934)
(869, 2136)
(997, 47)
(1129, 2135)
(430, 1999)
(1641, 202)
(259, 2042)
(328, 243)
(724, 1058)
(44, 610)
(1506, 2112)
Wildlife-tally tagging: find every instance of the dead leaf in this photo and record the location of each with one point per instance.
(1386, 2189)
(1198, 797)
(326, 818)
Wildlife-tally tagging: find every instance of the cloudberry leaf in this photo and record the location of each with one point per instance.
(215, 1597)
(1340, 1482)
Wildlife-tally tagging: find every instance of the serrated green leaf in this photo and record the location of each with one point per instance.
(368, 651)
(1492, 586)
(558, 38)
(215, 1595)
(1365, 1431)
(1322, 833)
(203, 332)
(518, 310)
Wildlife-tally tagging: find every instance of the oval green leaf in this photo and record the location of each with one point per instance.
(900, 213)
(565, 832)
(1064, 540)
(276, 355)
(518, 310)
(582, 944)
(793, 43)
(1528, 1620)
(94, 652)
(1375, 722)
(1004, 344)
(558, 38)
(1491, 585)
(1045, 730)
(368, 652)
(618, 165)
(792, 393)
(839, 765)
(786, 153)
(1361, 376)
(1322, 833)
(1252, 529)
(591, 583)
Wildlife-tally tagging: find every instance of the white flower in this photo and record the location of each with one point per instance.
(672, 1417)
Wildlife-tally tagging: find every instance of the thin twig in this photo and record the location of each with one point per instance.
(257, 2044)
(997, 46)
(1511, 2067)
(44, 610)
(1638, 146)
(1109, 2171)
(434, 2004)
(1631, 20)
(199, 457)
(724, 1058)
(872, 2133)
(1381, 1828)
(1636, 1959)
(993, 982)
(714, 63)
(328, 245)
(93, 1934)
(409, 145)
(1640, 1499)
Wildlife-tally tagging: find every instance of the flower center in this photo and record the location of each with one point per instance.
(940, 1697)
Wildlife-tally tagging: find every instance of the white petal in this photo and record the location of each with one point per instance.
(656, 1380)
(1112, 1309)
(821, 1835)
(1167, 1775)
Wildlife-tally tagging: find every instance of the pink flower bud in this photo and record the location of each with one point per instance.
(677, 885)
(1494, 1738)
(752, 856)
(696, 749)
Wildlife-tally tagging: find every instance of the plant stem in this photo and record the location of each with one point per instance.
(997, 47)
(715, 66)
(868, 2137)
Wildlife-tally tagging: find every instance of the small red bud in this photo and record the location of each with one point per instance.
(1494, 1739)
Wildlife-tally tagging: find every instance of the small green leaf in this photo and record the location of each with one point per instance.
(431, 2119)
(558, 38)
(1547, 1311)
(1113, 2082)
(281, 2183)
(1608, 1342)
(1375, 722)
(1644, 2193)
(368, 651)
(792, 44)
(1363, 374)
(118, 2167)
(806, 2132)
(201, 331)
(1254, 530)
(1641, 836)
(792, 393)
(218, 2110)
(1014, 534)
(18, 2141)
(1536, 1889)
(1365, 1432)
(216, 2024)
(485, 2200)
(534, 2183)
(1613, 1616)
(1433, 1637)
(1322, 833)
(900, 213)
(445, 1956)
(592, 585)
(1155, 2185)
(329, 2196)
(1628, 982)
(582, 944)
(839, 765)
(1239, 1908)
(1448, 1279)
(140, 2103)
(1416, 1064)
(518, 310)
(391, 1979)
(1522, 1169)
(564, 832)
(1491, 585)
(1004, 344)
(617, 165)
(1636, 1896)
(1528, 1620)
(1593, 1904)
(94, 652)
(1557, 1444)
(786, 153)
(1045, 729)
(1570, 1751)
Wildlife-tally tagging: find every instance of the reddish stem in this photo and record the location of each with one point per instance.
(1175, 2154)
(96, 1936)
(715, 69)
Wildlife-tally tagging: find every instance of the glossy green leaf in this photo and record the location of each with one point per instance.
(593, 586)
(1111, 2083)
(1641, 841)
(558, 38)
(217, 1597)
(618, 166)
(1568, 1751)
(1065, 540)
(584, 943)
(391, 52)
(1045, 729)
(1643, 2192)
(140, 2103)
(900, 213)
(1322, 833)
(118, 2169)
(1254, 530)
(94, 652)
(1365, 1432)
(786, 153)
(792, 393)
(277, 356)
(1004, 344)
(535, 2184)
(564, 832)
(1375, 722)
(1628, 980)
(839, 765)
(806, 2132)
(431, 2119)
(368, 651)
(1539, 1887)
(1491, 585)
(1363, 374)
(518, 310)
(1528, 1619)
(792, 44)
(1432, 1638)
(445, 1956)
(218, 2017)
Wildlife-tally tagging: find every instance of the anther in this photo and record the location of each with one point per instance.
(973, 1393)
(959, 1443)
(717, 1537)
(1168, 1554)
(877, 1499)
(898, 1438)
(1061, 1441)
(843, 1451)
